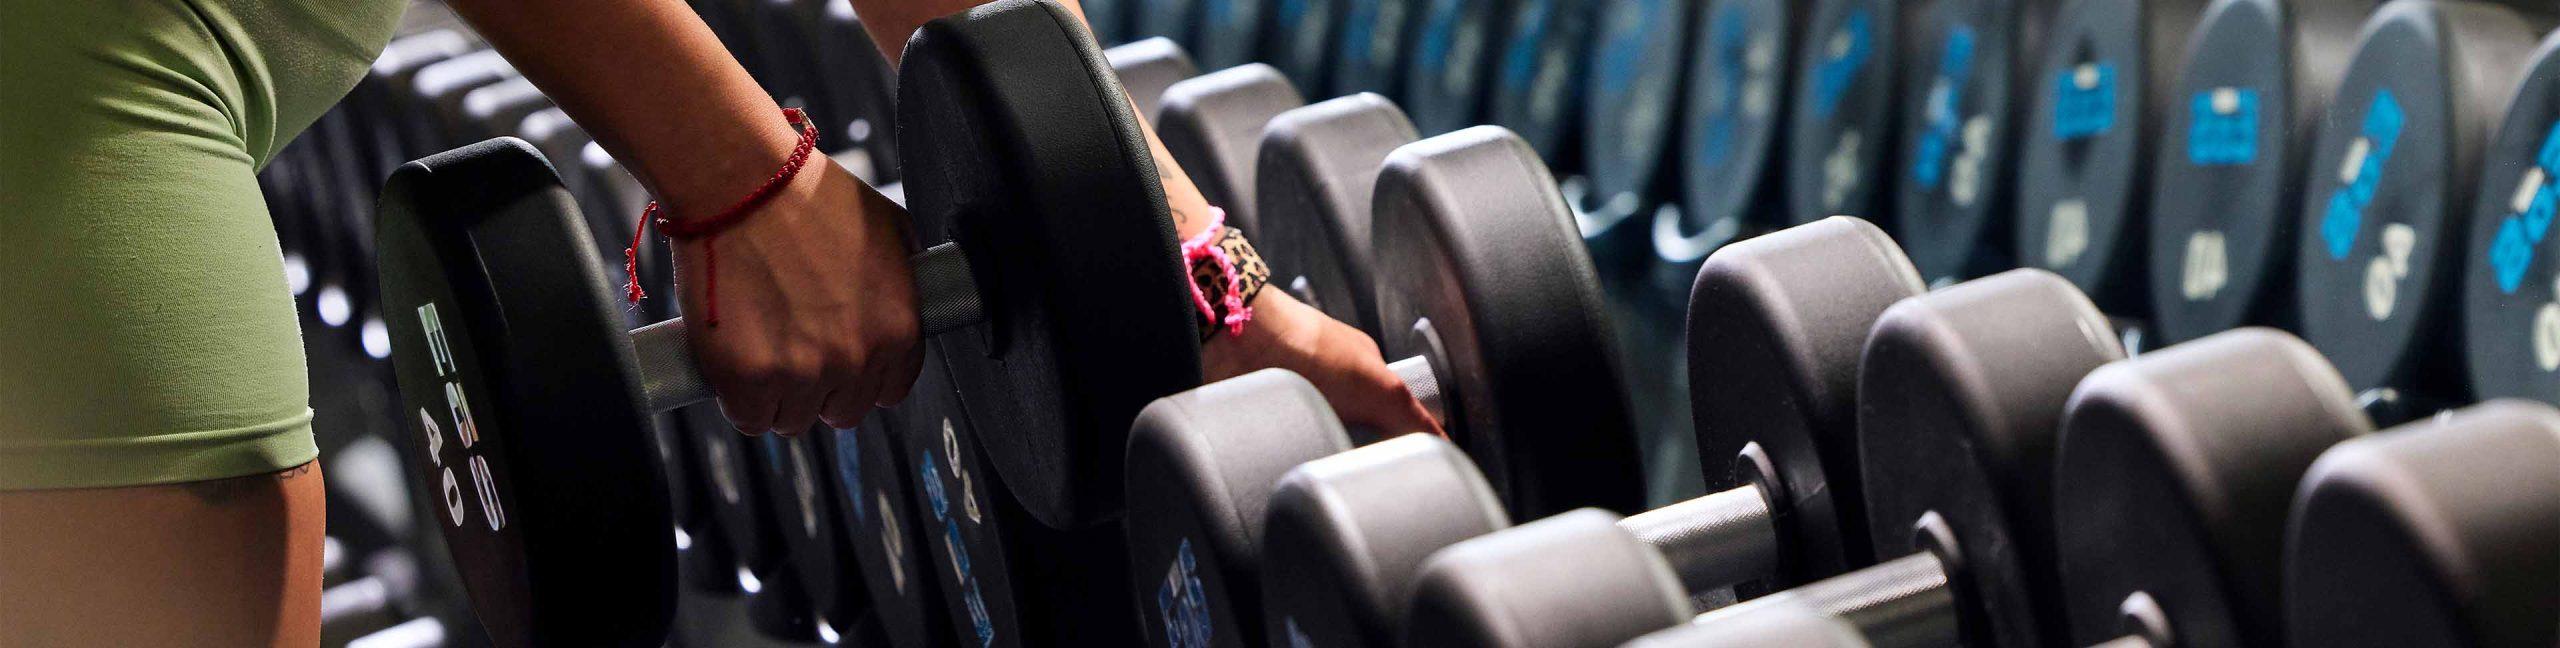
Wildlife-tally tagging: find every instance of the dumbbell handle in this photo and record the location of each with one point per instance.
(1721, 539)
(1906, 601)
(946, 299)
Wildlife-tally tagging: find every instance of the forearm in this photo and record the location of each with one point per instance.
(892, 21)
(652, 84)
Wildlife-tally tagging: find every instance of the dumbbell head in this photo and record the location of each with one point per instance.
(878, 519)
(1447, 77)
(1212, 126)
(1632, 98)
(2236, 128)
(2172, 481)
(1841, 116)
(800, 494)
(1316, 178)
(1480, 271)
(1959, 397)
(1775, 327)
(2397, 157)
(2511, 327)
(1149, 66)
(1608, 588)
(1731, 159)
(1971, 68)
(1202, 465)
(2436, 533)
(2086, 144)
(1349, 530)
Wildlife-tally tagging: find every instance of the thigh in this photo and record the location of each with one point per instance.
(227, 562)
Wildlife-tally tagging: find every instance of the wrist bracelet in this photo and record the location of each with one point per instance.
(710, 228)
(1226, 274)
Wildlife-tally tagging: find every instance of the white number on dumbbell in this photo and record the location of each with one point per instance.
(2382, 276)
(892, 542)
(2207, 267)
(1760, 56)
(2068, 233)
(806, 489)
(1964, 176)
(488, 486)
(1840, 172)
(724, 477)
(968, 490)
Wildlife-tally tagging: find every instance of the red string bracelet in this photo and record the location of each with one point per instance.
(709, 228)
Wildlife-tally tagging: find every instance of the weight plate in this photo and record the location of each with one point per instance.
(1842, 111)
(1368, 54)
(2173, 478)
(1632, 95)
(2257, 77)
(1729, 163)
(1299, 39)
(1212, 126)
(2511, 309)
(1202, 465)
(1973, 62)
(1022, 148)
(1319, 165)
(2391, 177)
(1961, 393)
(2435, 533)
(886, 538)
(2088, 141)
(802, 500)
(1776, 325)
(1480, 269)
(738, 483)
(1445, 81)
(1535, 88)
(575, 548)
(1145, 68)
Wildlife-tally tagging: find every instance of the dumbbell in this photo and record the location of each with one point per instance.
(1063, 365)
(1447, 77)
(1632, 100)
(1974, 66)
(1230, 32)
(1535, 88)
(1212, 126)
(877, 519)
(1005, 579)
(2235, 136)
(1731, 162)
(1299, 40)
(1369, 46)
(1840, 114)
(402, 132)
(2510, 320)
(1147, 67)
(800, 496)
(436, 92)
(2436, 533)
(1201, 463)
(2397, 159)
(1544, 583)
(1316, 175)
(2088, 142)
(2169, 486)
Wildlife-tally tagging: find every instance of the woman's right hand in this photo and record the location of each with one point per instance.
(817, 306)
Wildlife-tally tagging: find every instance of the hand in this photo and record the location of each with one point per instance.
(817, 306)
(1342, 362)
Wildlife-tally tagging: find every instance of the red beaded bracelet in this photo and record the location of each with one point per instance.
(709, 228)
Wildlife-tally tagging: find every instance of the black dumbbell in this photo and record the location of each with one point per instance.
(552, 537)
(1318, 167)
(1973, 73)
(1212, 126)
(1147, 67)
(2436, 533)
(1369, 46)
(878, 521)
(1005, 579)
(1536, 88)
(1542, 583)
(801, 496)
(1840, 114)
(2393, 172)
(2171, 477)
(2510, 325)
(1447, 77)
(1201, 463)
(2086, 147)
(1732, 159)
(2236, 135)
(1632, 100)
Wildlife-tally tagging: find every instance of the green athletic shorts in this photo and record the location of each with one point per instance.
(146, 334)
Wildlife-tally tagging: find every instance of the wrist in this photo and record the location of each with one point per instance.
(699, 183)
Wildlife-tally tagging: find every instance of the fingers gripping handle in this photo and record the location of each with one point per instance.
(946, 299)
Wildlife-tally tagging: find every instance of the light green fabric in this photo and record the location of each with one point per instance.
(146, 335)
